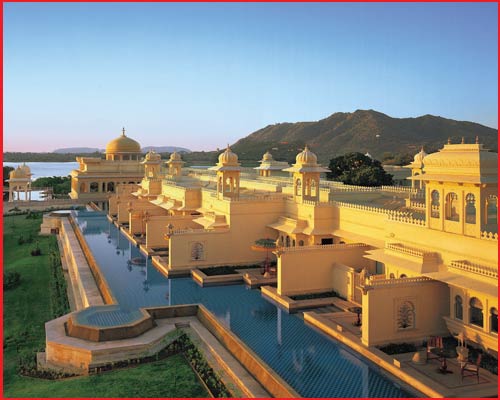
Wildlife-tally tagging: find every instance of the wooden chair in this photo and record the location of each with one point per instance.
(432, 343)
(471, 369)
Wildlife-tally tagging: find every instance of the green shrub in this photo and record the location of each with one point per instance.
(11, 280)
(398, 348)
(310, 296)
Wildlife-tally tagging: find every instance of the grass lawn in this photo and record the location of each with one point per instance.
(27, 307)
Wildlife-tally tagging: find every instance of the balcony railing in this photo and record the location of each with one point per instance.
(467, 266)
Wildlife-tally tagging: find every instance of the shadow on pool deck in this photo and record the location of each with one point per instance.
(423, 377)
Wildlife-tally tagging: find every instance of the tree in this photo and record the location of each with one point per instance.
(6, 171)
(358, 169)
(60, 184)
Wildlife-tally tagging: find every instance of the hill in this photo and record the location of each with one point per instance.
(363, 131)
(165, 149)
(78, 150)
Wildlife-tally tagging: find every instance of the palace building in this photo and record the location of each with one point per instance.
(97, 178)
(420, 261)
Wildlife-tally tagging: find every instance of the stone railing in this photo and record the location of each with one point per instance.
(320, 247)
(396, 282)
(406, 219)
(465, 265)
(177, 232)
(411, 251)
(399, 189)
(489, 235)
(402, 214)
(259, 197)
(417, 205)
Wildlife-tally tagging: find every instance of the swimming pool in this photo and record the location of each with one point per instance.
(313, 364)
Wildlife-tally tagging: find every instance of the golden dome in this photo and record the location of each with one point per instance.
(306, 157)
(228, 157)
(123, 144)
(419, 157)
(175, 156)
(267, 156)
(152, 156)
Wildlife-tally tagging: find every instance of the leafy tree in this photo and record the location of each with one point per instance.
(6, 171)
(60, 184)
(358, 169)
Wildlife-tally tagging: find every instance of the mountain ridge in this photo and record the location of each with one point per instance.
(364, 131)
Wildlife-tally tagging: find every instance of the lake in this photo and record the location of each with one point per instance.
(46, 169)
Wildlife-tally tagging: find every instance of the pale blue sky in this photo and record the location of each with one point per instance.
(203, 75)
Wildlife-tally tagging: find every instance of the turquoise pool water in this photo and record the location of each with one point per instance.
(313, 364)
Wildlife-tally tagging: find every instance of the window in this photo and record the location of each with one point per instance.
(491, 210)
(406, 315)
(459, 310)
(298, 187)
(435, 204)
(313, 188)
(391, 276)
(83, 187)
(402, 276)
(288, 241)
(379, 268)
(327, 241)
(493, 320)
(301, 243)
(476, 312)
(451, 207)
(470, 209)
(197, 251)
(111, 186)
(94, 187)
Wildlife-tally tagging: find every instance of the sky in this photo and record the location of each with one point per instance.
(201, 75)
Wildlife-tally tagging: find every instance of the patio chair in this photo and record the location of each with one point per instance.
(471, 369)
(432, 343)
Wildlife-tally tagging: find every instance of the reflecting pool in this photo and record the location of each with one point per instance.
(313, 364)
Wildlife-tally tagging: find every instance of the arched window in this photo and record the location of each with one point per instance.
(451, 206)
(391, 276)
(459, 309)
(293, 243)
(402, 276)
(470, 209)
(83, 187)
(287, 241)
(435, 204)
(492, 210)
(493, 320)
(476, 312)
(111, 186)
(94, 187)
(197, 251)
(282, 240)
(314, 188)
(406, 315)
(307, 187)
(298, 187)
(301, 243)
